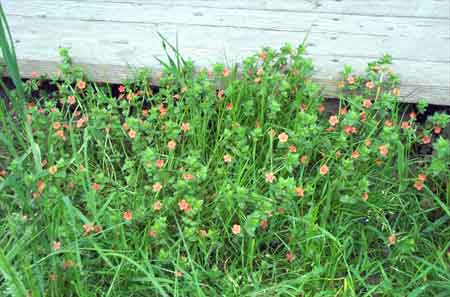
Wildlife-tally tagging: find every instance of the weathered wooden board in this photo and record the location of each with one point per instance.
(111, 38)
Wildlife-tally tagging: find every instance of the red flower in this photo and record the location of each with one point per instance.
(383, 149)
(184, 206)
(323, 170)
(81, 84)
(160, 163)
(127, 216)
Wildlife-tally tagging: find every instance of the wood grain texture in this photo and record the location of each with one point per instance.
(110, 39)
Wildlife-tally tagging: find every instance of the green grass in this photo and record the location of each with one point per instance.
(81, 212)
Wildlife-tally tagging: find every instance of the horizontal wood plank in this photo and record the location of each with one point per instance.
(119, 36)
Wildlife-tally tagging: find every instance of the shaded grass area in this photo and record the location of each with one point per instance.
(254, 189)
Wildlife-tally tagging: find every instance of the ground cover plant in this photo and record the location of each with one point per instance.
(226, 182)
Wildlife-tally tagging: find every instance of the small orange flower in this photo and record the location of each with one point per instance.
(333, 120)
(299, 191)
(422, 177)
(162, 110)
(67, 264)
(290, 257)
(221, 93)
(121, 88)
(418, 185)
(81, 168)
(227, 158)
(81, 84)
(40, 186)
(365, 196)
(171, 145)
(323, 170)
(160, 163)
(157, 205)
(341, 84)
(363, 116)
(303, 159)
(56, 245)
(157, 187)
(71, 100)
(152, 233)
(412, 115)
(229, 106)
(127, 216)
(95, 186)
(437, 130)
(226, 72)
(283, 137)
(405, 125)
(132, 133)
(343, 110)
(236, 229)
(188, 176)
(185, 127)
(88, 228)
(370, 85)
(270, 177)
(383, 149)
(145, 112)
(367, 103)
(264, 224)
(292, 149)
(184, 206)
(388, 123)
(392, 239)
(52, 169)
(56, 125)
(125, 126)
(349, 130)
(81, 122)
(426, 139)
(321, 108)
(355, 155)
(351, 80)
(368, 142)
